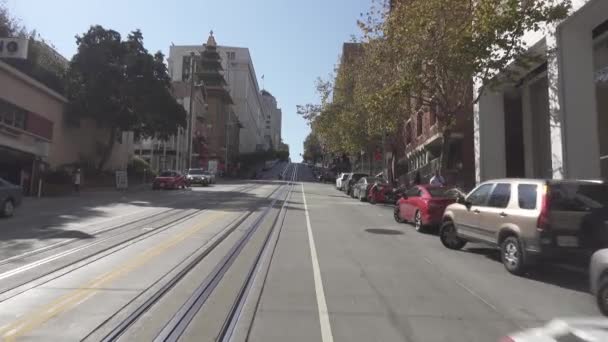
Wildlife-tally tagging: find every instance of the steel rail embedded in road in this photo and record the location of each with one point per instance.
(116, 246)
(180, 321)
(233, 316)
(124, 325)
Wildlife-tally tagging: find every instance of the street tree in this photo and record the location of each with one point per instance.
(121, 86)
(438, 50)
(313, 150)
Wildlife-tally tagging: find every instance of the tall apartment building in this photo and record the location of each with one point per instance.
(242, 85)
(273, 120)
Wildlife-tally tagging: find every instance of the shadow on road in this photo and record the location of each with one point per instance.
(78, 217)
(383, 231)
(569, 276)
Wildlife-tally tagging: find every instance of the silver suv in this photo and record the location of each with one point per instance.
(530, 219)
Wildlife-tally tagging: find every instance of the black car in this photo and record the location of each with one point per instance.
(10, 198)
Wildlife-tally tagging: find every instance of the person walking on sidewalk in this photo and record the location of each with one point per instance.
(438, 179)
(77, 180)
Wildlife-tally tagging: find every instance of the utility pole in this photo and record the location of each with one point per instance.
(189, 124)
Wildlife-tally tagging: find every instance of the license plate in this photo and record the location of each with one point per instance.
(567, 241)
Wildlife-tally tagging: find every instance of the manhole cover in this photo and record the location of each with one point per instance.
(384, 231)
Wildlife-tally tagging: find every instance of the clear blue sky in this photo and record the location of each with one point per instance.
(292, 42)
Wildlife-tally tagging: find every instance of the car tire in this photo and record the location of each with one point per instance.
(601, 296)
(420, 228)
(371, 199)
(8, 208)
(396, 215)
(449, 238)
(512, 255)
(361, 197)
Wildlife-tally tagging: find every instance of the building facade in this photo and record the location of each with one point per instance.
(241, 78)
(273, 120)
(36, 136)
(552, 122)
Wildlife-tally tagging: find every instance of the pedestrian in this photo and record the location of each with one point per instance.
(417, 180)
(77, 180)
(438, 179)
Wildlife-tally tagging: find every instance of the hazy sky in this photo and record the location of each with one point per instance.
(292, 42)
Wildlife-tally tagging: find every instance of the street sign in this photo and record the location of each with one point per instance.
(13, 48)
(122, 181)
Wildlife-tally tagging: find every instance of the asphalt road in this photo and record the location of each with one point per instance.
(262, 260)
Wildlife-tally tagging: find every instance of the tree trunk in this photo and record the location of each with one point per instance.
(445, 151)
(108, 149)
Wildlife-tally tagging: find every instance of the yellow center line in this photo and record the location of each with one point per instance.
(70, 300)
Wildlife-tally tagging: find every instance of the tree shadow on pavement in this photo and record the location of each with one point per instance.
(568, 276)
(78, 217)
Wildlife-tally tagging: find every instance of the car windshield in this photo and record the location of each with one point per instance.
(438, 192)
(196, 172)
(167, 174)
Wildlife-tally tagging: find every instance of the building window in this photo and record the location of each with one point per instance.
(231, 55)
(186, 68)
(12, 115)
(433, 113)
(419, 118)
(408, 133)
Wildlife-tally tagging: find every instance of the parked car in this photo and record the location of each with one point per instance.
(362, 187)
(350, 182)
(423, 205)
(10, 198)
(211, 176)
(341, 177)
(598, 274)
(588, 329)
(530, 219)
(197, 176)
(381, 191)
(169, 180)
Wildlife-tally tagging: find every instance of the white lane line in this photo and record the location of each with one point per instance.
(326, 333)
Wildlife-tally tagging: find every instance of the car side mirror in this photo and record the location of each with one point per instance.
(461, 200)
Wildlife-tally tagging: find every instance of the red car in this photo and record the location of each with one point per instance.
(169, 180)
(423, 205)
(379, 192)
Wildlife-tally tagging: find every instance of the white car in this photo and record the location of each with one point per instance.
(575, 329)
(211, 176)
(598, 274)
(341, 177)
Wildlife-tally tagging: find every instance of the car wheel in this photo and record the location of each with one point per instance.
(396, 215)
(512, 255)
(8, 208)
(449, 238)
(418, 222)
(372, 199)
(602, 296)
(362, 198)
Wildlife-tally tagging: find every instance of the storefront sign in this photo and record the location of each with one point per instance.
(13, 48)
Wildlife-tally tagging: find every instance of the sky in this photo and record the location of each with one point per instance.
(292, 42)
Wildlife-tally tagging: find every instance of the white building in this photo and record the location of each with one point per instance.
(272, 121)
(243, 86)
(553, 121)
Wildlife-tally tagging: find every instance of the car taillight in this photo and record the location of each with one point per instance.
(506, 339)
(543, 219)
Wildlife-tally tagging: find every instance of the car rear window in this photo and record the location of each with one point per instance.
(526, 194)
(578, 196)
(166, 174)
(437, 192)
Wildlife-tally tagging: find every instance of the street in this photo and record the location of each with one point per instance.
(260, 260)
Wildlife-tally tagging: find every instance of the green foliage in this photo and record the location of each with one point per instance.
(313, 150)
(122, 87)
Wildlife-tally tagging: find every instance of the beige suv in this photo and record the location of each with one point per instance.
(530, 218)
